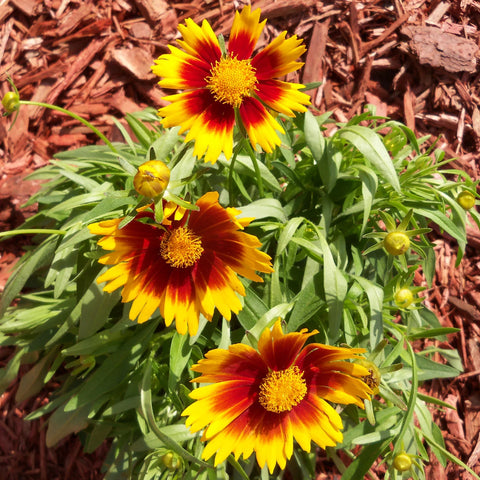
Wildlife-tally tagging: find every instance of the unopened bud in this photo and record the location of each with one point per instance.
(151, 179)
(396, 243)
(11, 102)
(171, 461)
(403, 298)
(466, 200)
(402, 462)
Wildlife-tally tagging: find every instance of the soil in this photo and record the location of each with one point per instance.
(414, 60)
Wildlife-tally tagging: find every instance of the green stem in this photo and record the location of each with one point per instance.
(252, 155)
(407, 419)
(76, 117)
(231, 171)
(32, 231)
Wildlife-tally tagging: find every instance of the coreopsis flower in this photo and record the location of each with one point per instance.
(260, 401)
(186, 266)
(219, 85)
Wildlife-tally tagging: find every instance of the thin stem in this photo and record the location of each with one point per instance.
(252, 155)
(231, 171)
(76, 117)
(32, 231)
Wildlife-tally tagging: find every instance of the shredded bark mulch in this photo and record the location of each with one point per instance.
(414, 60)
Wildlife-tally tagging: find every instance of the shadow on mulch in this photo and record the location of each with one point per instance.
(23, 452)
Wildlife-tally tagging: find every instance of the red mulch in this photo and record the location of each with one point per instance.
(415, 60)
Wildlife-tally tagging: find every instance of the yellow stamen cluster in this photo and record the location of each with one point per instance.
(282, 390)
(181, 248)
(231, 80)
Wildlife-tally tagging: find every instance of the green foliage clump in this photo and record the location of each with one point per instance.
(324, 207)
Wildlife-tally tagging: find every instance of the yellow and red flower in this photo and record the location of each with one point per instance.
(260, 401)
(186, 266)
(217, 85)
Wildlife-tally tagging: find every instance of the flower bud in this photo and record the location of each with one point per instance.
(10, 102)
(402, 462)
(171, 461)
(396, 243)
(466, 200)
(403, 298)
(152, 178)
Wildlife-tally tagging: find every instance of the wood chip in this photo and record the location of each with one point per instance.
(137, 61)
(28, 7)
(442, 50)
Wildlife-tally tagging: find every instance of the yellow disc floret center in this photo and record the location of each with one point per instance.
(231, 80)
(181, 248)
(281, 390)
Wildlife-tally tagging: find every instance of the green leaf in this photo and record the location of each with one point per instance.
(267, 320)
(115, 369)
(65, 421)
(308, 303)
(180, 353)
(375, 299)
(179, 433)
(141, 131)
(9, 373)
(373, 149)
(264, 208)
(244, 166)
(432, 332)
(287, 233)
(359, 467)
(34, 380)
(313, 136)
(146, 403)
(30, 262)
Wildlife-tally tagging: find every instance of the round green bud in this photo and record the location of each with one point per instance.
(170, 461)
(402, 462)
(403, 298)
(10, 102)
(466, 200)
(396, 243)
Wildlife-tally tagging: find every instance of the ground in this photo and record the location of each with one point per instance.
(414, 60)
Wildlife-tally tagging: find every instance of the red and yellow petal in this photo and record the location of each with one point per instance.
(180, 70)
(278, 58)
(239, 362)
(280, 350)
(283, 97)
(209, 122)
(245, 32)
(217, 406)
(260, 126)
(199, 41)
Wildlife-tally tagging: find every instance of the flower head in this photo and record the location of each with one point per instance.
(152, 178)
(260, 401)
(186, 266)
(219, 85)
